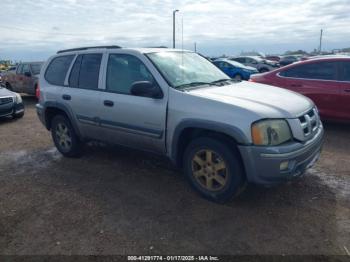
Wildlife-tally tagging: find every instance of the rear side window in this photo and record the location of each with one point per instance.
(56, 72)
(345, 71)
(321, 70)
(85, 72)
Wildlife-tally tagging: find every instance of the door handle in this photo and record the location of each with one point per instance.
(66, 97)
(108, 103)
(347, 90)
(296, 85)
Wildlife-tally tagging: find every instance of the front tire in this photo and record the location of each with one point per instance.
(238, 77)
(64, 137)
(17, 116)
(214, 169)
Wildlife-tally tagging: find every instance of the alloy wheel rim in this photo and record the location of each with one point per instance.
(63, 136)
(210, 170)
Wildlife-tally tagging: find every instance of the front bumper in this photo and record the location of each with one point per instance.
(11, 109)
(263, 164)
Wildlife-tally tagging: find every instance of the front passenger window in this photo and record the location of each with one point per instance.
(123, 71)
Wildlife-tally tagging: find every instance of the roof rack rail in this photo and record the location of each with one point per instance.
(88, 47)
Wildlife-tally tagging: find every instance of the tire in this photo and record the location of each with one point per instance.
(8, 86)
(63, 134)
(238, 77)
(203, 174)
(264, 70)
(17, 116)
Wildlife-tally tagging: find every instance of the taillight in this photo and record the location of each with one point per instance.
(37, 91)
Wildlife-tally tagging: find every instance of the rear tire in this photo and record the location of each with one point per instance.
(264, 70)
(8, 86)
(17, 116)
(238, 77)
(63, 134)
(214, 169)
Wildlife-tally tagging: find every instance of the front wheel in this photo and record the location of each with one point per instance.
(214, 169)
(64, 137)
(238, 77)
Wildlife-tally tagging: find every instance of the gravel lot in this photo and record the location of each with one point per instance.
(117, 201)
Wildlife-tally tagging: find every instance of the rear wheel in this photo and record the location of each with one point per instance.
(64, 136)
(264, 70)
(8, 86)
(238, 77)
(214, 169)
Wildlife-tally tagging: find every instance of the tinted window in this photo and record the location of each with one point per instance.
(241, 60)
(89, 71)
(345, 71)
(56, 72)
(74, 75)
(19, 70)
(123, 71)
(322, 70)
(26, 69)
(35, 68)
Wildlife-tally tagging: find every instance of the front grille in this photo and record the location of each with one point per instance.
(309, 122)
(6, 100)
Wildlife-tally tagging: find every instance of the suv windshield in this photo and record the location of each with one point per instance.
(186, 68)
(36, 68)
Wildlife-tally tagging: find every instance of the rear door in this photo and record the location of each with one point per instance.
(82, 95)
(130, 120)
(344, 86)
(317, 81)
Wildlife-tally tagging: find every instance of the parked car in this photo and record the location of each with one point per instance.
(234, 69)
(287, 60)
(10, 104)
(325, 80)
(262, 65)
(24, 79)
(222, 133)
(273, 58)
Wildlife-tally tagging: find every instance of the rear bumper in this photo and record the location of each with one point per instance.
(263, 164)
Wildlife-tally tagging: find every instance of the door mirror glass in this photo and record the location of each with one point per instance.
(146, 89)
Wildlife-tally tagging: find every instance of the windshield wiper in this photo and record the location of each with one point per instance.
(193, 84)
(220, 81)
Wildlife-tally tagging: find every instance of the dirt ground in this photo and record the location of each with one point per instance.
(118, 201)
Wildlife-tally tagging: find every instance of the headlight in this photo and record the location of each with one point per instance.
(270, 132)
(18, 99)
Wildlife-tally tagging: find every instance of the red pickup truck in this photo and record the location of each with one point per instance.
(24, 79)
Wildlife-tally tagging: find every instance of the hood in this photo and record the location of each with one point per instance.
(5, 92)
(265, 101)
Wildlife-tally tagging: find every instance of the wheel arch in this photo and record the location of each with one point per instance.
(51, 109)
(191, 128)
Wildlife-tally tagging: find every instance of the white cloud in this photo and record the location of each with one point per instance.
(221, 26)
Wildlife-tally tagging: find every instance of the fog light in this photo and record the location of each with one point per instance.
(284, 165)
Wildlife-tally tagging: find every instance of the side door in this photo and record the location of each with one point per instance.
(344, 90)
(318, 82)
(16, 80)
(81, 93)
(130, 120)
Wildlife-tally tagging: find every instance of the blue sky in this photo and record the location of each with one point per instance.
(33, 30)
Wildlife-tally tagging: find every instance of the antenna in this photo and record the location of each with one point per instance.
(321, 35)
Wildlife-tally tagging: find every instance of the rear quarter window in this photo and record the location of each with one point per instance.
(57, 70)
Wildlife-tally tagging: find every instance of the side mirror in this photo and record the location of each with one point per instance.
(27, 74)
(146, 89)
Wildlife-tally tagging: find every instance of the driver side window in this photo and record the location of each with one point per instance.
(124, 70)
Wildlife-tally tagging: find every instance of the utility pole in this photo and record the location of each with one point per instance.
(195, 47)
(174, 12)
(320, 48)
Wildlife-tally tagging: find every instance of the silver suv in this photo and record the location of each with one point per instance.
(222, 133)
